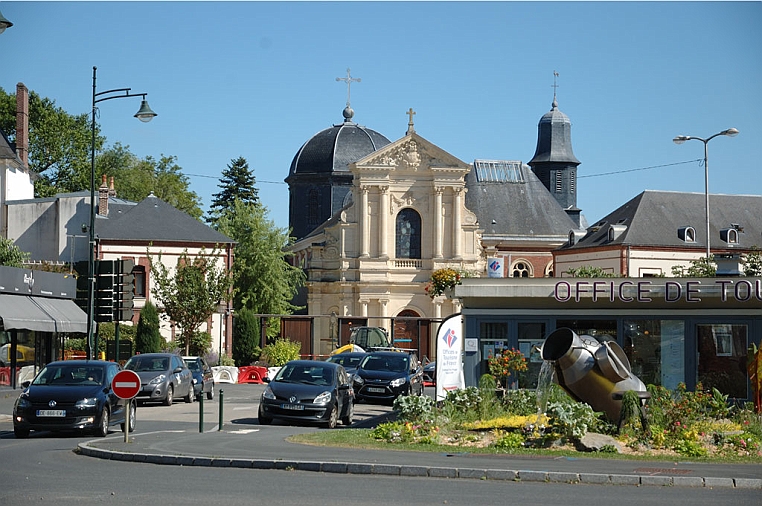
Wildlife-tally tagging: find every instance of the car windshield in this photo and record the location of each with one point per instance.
(70, 375)
(306, 374)
(384, 363)
(146, 364)
(193, 365)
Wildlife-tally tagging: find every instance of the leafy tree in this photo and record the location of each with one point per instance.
(59, 143)
(752, 262)
(192, 294)
(237, 183)
(246, 338)
(265, 282)
(699, 268)
(11, 255)
(148, 338)
(589, 271)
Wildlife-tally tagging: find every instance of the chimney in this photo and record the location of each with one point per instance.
(22, 123)
(103, 197)
(111, 190)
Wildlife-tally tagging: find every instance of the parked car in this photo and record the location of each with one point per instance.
(385, 375)
(308, 391)
(163, 376)
(349, 360)
(430, 373)
(71, 395)
(203, 377)
(24, 355)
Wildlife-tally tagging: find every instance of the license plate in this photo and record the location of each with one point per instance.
(376, 390)
(295, 407)
(51, 412)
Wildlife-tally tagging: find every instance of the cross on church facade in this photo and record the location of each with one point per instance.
(410, 128)
(349, 80)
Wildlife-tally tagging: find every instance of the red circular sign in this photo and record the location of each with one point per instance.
(126, 384)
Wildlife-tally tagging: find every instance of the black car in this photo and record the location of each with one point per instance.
(308, 391)
(348, 359)
(385, 375)
(203, 377)
(71, 395)
(430, 374)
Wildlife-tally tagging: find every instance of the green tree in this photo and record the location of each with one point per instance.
(277, 353)
(699, 268)
(191, 295)
(148, 338)
(59, 143)
(589, 271)
(246, 338)
(752, 262)
(11, 255)
(265, 282)
(237, 183)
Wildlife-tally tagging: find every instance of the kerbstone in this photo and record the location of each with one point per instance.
(501, 474)
(360, 468)
(471, 473)
(748, 483)
(688, 481)
(335, 467)
(533, 476)
(624, 479)
(719, 482)
(386, 469)
(443, 472)
(558, 477)
(414, 471)
(598, 479)
(663, 481)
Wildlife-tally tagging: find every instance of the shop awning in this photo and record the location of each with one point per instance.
(41, 314)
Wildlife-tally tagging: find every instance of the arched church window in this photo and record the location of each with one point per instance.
(521, 270)
(408, 236)
(313, 208)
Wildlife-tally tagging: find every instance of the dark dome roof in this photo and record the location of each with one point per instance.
(333, 149)
(554, 138)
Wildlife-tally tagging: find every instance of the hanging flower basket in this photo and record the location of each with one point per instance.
(443, 282)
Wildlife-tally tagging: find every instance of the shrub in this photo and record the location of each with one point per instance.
(464, 400)
(414, 408)
(148, 338)
(283, 350)
(570, 418)
(508, 440)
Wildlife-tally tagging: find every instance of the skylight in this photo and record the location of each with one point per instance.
(498, 171)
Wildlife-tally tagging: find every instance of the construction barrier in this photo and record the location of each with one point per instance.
(252, 374)
(225, 374)
(5, 375)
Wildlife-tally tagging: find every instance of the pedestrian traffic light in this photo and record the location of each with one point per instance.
(105, 276)
(124, 291)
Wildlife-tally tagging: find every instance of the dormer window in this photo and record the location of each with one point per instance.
(729, 235)
(572, 238)
(615, 231)
(687, 234)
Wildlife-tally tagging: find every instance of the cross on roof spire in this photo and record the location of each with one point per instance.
(349, 79)
(555, 87)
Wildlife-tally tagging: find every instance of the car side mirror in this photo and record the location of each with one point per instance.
(266, 379)
(178, 369)
(25, 384)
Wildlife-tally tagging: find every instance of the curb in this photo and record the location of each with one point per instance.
(422, 471)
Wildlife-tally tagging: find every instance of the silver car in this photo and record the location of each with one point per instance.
(163, 376)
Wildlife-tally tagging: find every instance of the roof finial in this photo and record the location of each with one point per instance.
(410, 128)
(348, 112)
(555, 86)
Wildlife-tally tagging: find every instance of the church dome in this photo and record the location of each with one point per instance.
(333, 149)
(554, 138)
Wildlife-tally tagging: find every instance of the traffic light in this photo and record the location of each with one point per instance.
(83, 285)
(124, 290)
(105, 276)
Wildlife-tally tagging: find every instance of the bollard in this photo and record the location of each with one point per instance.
(201, 411)
(219, 425)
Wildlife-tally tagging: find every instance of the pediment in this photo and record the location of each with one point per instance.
(411, 153)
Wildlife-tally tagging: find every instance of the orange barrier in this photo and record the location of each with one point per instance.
(252, 374)
(5, 375)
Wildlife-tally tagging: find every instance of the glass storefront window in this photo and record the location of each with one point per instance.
(602, 330)
(493, 338)
(531, 337)
(656, 350)
(722, 358)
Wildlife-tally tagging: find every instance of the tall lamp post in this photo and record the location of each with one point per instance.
(730, 132)
(144, 114)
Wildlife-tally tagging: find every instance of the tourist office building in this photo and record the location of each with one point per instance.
(673, 330)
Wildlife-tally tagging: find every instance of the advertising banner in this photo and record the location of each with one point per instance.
(450, 340)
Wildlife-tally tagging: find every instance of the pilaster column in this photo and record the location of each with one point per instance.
(363, 308)
(364, 229)
(384, 303)
(383, 211)
(438, 221)
(456, 226)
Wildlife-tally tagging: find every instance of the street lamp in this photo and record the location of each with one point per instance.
(4, 23)
(144, 114)
(730, 132)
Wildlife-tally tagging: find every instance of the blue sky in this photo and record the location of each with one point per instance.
(258, 79)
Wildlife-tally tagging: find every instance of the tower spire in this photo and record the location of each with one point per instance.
(555, 87)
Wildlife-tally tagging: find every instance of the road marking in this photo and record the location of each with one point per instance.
(243, 431)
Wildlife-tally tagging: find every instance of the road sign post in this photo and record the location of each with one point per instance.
(126, 385)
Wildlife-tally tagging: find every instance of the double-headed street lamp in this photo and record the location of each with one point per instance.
(730, 132)
(144, 114)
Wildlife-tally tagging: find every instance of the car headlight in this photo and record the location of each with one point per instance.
(323, 398)
(358, 380)
(158, 379)
(87, 402)
(195, 381)
(268, 393)
(22, 402)
(398, 382)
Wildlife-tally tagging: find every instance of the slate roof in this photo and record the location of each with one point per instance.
(518, 208)
(653, 218)
(154, 220)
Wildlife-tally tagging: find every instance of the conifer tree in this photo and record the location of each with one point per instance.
(237, 183)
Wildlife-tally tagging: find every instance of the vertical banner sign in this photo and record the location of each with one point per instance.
(495, 267)
(449, 356)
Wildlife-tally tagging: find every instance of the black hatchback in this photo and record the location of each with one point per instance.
(385, 375)
(308, 391)
(71, 395)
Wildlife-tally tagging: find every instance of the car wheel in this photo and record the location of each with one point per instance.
(102, 429)
(191, 394)
(170, 394)
(210, 393)
(131, 418)
(333, 418)
(20, 433)
(264, 420)
(347, 420)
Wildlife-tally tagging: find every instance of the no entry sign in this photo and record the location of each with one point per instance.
(126, 384)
